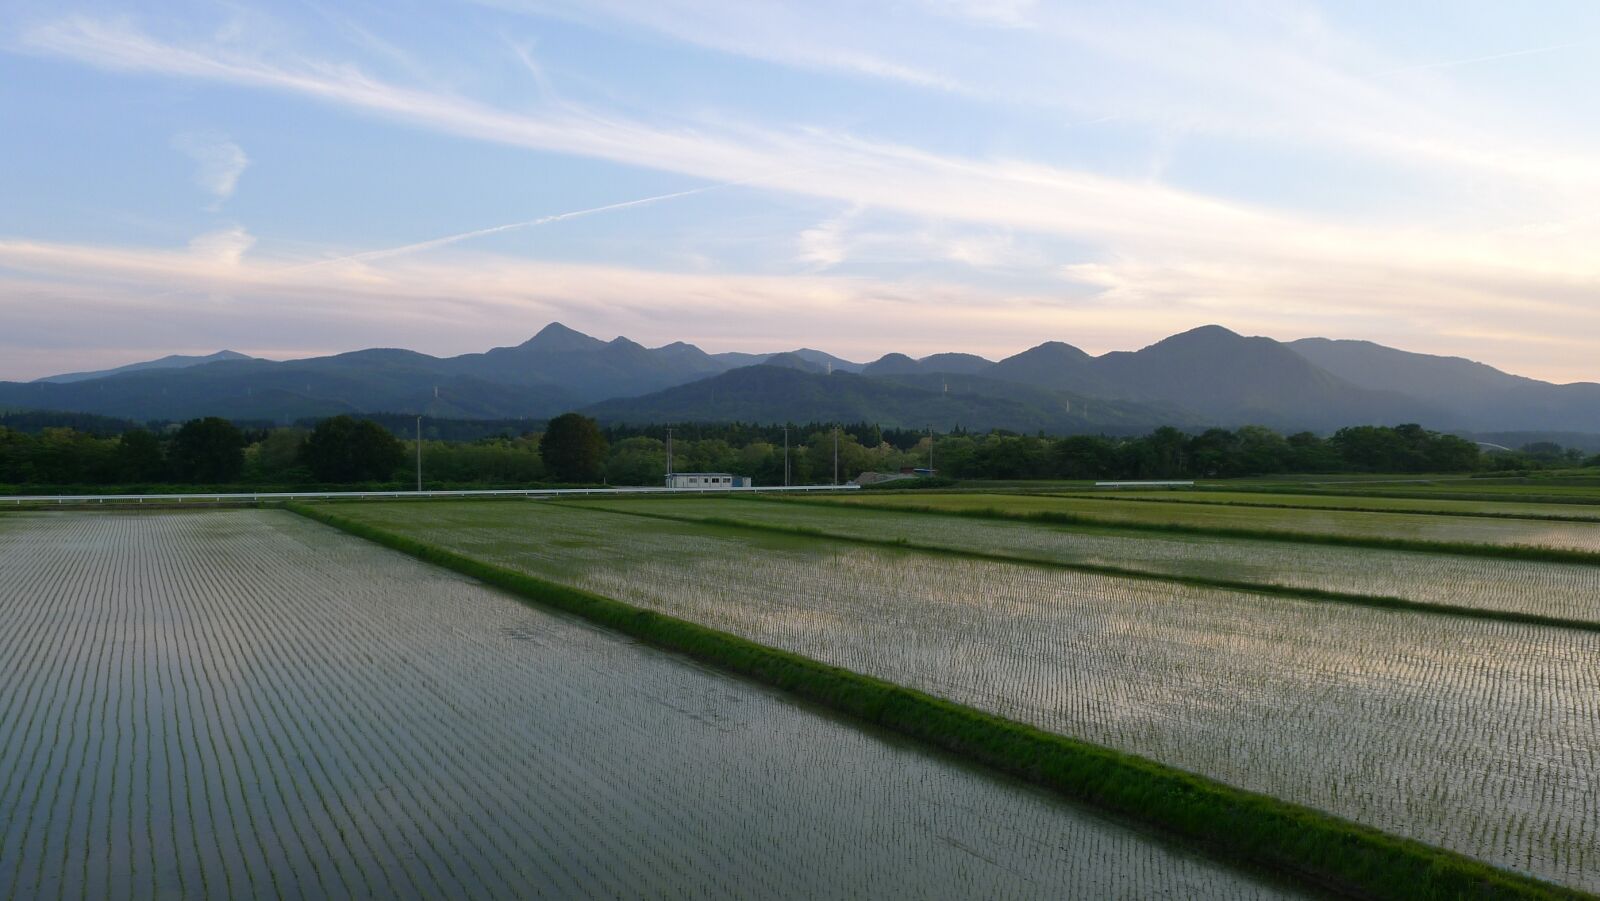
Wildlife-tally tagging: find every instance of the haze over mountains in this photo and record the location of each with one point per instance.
(1206, 376)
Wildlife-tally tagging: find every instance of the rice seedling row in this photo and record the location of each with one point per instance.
(1560, 591)
(247, 704)
(1577, 540)
(1477, 736)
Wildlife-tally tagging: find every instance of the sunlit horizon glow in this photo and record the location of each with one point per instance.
(943, 175)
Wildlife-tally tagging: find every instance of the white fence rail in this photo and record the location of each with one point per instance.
(258, 496)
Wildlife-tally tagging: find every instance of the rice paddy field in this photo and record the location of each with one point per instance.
(1559, 590)
(1550, 490)
(249, 704)
(1567, 536)
(1478, 736)
(1492, 508)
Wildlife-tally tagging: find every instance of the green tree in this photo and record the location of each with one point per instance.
(637, 461)
(275, 459)
(208, 450)
(573, 448)
(1262, 451)
(1451, 453)
(1086, 457)
(345, 449)
(1165, 457)
(1309, 453)
(138, 457)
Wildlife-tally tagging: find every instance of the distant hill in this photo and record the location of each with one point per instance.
(900, 364)
(1474, 395)
(1199, 378)
(558, 369)
(1052, 364)
(175, 361)
(1228, 378)
(755, 393)
(285, 392)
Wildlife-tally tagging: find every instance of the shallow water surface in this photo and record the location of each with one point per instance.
(249, 704)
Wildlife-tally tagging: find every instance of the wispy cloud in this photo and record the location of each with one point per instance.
(1146, 251)
(225, 247)
(218, 161)
(761, 29)
(1007, 193)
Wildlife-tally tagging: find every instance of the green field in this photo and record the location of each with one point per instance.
(1477, 736)
(1557, 590)
(1582, 537)
(1492, 508)
(249, 704)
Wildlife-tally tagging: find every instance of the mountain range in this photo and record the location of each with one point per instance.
(1202, 377)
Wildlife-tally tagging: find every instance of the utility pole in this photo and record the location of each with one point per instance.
(930, 451)
(419, 454)
(786, 457)
(835, 455)
(669, 452)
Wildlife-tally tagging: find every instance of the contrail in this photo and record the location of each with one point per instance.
(542, 220)
(512, 226)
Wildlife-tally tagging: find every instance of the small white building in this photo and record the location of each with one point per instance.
(703, 480)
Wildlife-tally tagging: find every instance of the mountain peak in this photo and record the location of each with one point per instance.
(557, 338)
(172, 361)
(892, 364)
(792, 359)
(1059, 351)
(1210, 334)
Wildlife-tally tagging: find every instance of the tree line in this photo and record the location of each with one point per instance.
(573, 449)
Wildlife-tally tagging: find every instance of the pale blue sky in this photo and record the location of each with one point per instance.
(918, 175)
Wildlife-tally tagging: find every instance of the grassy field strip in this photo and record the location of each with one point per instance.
(289, 712)
(1299, 573)
(1502, 509)
(1478, 736)
(1522, 540)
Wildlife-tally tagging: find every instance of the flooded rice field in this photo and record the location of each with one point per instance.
(1479, 736)
(248, 704)
(1567, 590)
(1572, 536)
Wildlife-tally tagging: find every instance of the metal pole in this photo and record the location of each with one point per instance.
(419, 454)
(786, 458)
(930, 451)
(669, 452)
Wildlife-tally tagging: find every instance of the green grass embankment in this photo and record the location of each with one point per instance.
(1249, 828)
(1385, 602)
(1503, 551)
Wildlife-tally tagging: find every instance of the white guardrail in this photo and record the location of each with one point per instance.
(257, 496)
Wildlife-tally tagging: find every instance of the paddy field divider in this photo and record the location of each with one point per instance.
(1248, 828)
(1384, 602)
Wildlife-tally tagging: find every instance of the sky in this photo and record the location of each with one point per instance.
(292, 179)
